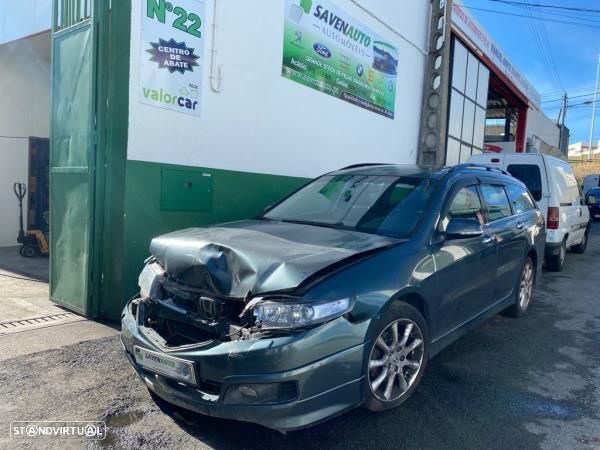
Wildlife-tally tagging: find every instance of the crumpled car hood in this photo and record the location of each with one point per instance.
(256, 256)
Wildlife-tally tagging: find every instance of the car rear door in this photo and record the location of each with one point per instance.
(507, 230)
(530, 169)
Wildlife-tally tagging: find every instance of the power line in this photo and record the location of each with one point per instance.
(546, 47)
(568, 8)
(570, 91)
(564, 22)
(588, 103)
(570, 97)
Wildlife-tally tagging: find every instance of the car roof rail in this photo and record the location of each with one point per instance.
(457, 167)
(354, 166)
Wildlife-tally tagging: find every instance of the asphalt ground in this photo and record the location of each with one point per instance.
(532, 382)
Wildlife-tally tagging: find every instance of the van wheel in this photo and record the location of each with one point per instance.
(396, 357)
(580, 248)
(556, 262)
(523, 290)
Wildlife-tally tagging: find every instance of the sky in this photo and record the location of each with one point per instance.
(571, 48)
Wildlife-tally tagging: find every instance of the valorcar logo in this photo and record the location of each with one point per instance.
(172, 55)
(321, 50)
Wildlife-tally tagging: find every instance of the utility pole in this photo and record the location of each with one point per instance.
(563, 118)
(594, 109)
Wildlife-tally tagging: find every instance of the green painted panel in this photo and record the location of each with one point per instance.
(109, 249)
(185, 190)
(70, 226)
(71, 97)
(236, 195)
(70, 175)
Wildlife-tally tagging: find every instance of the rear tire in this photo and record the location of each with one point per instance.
(556, 263)
(396, 357)
(523, 290)
(581, 247)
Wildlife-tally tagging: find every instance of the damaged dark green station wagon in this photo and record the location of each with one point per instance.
(335, 297)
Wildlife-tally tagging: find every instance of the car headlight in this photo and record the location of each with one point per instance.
(290, 314)
(150, 279)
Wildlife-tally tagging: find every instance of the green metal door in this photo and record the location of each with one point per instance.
(72, 156)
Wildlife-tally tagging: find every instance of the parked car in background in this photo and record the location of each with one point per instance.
(554, 187)
(592, 200)
(590, 181)
(335, 297)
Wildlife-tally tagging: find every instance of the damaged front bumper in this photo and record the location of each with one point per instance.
(284, 383)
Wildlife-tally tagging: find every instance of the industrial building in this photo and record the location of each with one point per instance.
(24, 113)
(173, 115)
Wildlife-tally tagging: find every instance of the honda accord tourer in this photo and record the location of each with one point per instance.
(335, 297)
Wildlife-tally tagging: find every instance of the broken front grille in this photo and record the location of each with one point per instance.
(184, 316)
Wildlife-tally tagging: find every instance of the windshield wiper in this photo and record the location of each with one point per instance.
(336, 226)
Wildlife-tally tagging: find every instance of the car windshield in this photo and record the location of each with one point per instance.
(378, 204)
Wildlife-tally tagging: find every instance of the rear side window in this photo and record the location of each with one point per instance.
(519, 198)
(466, 205)
(496, 202)
(530, 175)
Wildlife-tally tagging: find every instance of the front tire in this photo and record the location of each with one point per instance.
(556, 263)
(396, 357)
(27, 251)
(523, 290)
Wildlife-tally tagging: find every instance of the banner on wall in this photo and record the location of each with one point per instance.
(172, 60)
(326, 49)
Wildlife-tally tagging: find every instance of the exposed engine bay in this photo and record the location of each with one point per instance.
(242, 281)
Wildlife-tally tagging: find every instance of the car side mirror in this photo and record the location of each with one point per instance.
(463, 228)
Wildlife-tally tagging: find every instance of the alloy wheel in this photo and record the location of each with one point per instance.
(526, 286)
(395, 360)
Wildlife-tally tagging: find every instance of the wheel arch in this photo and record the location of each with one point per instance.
(415, 300)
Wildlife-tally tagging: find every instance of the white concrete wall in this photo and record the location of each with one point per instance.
(262, 122)
(24, 112)
(20, 18)
(541, 128)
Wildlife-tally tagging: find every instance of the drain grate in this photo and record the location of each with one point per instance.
(13, 326)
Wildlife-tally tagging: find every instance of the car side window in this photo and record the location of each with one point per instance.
(520, 199)
(496, 202)
(466, 205)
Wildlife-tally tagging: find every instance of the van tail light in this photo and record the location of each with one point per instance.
(553, 218)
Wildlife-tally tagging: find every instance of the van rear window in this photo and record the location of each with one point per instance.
(530, 175)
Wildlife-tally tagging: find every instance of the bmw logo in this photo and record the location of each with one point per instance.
(360, 70)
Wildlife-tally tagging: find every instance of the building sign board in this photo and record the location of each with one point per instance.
(172, 54)
(467, 24)
(328, 50)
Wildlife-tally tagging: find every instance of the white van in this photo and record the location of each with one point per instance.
(590, 181)
(554, 187)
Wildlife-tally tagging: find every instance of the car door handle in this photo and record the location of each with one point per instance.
(520, 225)
(488, 239)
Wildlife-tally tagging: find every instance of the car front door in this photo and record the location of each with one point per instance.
(465, 268)
(509, 232)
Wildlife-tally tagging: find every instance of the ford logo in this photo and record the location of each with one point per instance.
(321, 50)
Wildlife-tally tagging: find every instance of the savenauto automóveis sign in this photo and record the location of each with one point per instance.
(326, 49)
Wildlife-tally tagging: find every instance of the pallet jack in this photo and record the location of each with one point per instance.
(33, 242)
